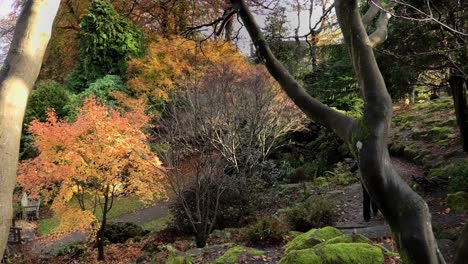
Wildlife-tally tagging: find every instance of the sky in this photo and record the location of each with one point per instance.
(5, 7)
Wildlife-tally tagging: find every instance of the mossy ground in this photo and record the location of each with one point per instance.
(426, 132)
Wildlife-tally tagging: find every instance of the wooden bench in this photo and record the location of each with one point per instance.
(29, 207)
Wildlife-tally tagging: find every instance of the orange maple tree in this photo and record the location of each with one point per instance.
(101, 154)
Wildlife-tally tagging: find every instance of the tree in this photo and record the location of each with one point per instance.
(106, 42)
(63, 50)
(102, 154)
(7, 27)
(435, 44)
(172, 63)
(290, 53)
(235, 109)
(406, 212)
(46, 95)
(218, 127)
(17, 77)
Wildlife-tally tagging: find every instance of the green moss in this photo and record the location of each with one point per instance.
(260, 38)
(294, 234)
(437, 134)
(312, 238)
(442, 104)
(340, 253)
(232, 255)
(305, 256)
(179, 260)
(320, 182)
(363, 128)
(458, 201)
(358, 238)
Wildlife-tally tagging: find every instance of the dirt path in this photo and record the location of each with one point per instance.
(138, 217)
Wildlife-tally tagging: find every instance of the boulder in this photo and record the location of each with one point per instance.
(339, 253)
(312, 238)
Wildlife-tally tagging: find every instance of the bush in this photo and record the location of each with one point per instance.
(306, 172)
(315, 212)
(73, 250)
(330, 148)
(265, 232)
(121, 231)
(47, 95)
(341, 175)
(234, 210)
(458, 173)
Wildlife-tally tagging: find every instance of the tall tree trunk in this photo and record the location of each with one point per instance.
(461, 256)
(406, 212)
(17, 77)
(458, 87)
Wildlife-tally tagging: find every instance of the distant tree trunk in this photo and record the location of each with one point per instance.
(200, 238)
(406, 212)
(461, 256)
(458, 86)
(100, 234)
(411, 94)
(17, 77)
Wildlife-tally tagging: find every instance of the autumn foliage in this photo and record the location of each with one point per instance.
(102, 153)
(171, 63)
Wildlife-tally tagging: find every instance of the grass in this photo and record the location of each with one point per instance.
(46, 226)
(121, 206)
(158, 224)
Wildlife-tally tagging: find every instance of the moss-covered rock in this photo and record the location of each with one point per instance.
(339, 253)
(294, 234)
(312, 238)
(357, 238)
(179, 260)
(458, 201)
(232, 255)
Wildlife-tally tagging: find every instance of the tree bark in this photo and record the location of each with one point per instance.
(461, 255)
(458, 87)
(406, 212)
(17, 78)
(102, 228)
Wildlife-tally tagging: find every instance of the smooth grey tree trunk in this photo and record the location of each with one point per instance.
(406, 212)
(17, 77)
